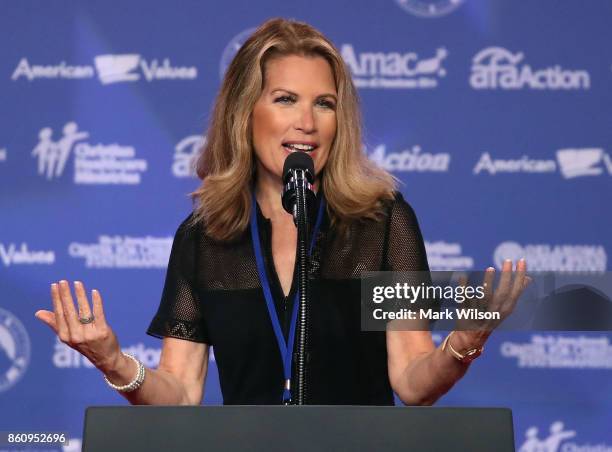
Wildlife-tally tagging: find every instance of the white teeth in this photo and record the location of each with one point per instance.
(300, 147)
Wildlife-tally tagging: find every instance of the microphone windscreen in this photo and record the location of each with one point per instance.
(299, 160)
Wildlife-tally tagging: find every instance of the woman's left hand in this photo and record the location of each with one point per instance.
(501, 300)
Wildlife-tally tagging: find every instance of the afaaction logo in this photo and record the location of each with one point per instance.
(411, 159)
(547, 257)
(185, 154)
(498, 68)
(94, 164)
(394, 69)
(111, 68)
(65, 357)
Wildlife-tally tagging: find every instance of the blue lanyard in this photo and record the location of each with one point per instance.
(286, 350)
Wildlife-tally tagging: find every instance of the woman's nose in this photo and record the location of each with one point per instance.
(305, 120)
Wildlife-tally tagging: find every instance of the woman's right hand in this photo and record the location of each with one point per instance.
(95, 340)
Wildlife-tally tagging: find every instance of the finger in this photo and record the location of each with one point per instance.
(81, 296)
(506, 276)
(487, 282)
(98, 308)
(462, 280)
(48, 318)
(70, 314)
(60, 319)
(519, 280)
(528, 280)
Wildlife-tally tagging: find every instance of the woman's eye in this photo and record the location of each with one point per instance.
(285, 99)
(326, 104)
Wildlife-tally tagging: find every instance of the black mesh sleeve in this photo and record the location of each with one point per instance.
(180, 313)
(405, 252)
(404, 247)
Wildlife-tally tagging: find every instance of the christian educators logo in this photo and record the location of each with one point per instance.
(14, 350)
(94, 164)
(429, 8)
(498, 68)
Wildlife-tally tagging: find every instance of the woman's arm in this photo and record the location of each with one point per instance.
(178, 380)
(419, 372)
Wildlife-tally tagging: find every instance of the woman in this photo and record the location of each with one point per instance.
(287, 90)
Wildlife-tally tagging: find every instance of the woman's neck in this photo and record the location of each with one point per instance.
(268, 194)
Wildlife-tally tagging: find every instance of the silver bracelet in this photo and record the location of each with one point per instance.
(135, 383)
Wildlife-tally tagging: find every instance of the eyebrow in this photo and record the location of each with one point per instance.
(296, 95)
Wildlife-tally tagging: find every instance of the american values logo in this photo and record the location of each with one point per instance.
(498, 68)
(11, 254)
(570, 162)
(110, 68)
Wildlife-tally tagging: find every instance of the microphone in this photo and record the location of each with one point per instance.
(298, 174)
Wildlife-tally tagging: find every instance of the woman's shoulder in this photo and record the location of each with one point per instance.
(399, 205)
(189, 228)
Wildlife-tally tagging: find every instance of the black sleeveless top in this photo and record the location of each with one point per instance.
(212, 294)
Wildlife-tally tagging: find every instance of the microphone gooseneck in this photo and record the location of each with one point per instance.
(298, 176)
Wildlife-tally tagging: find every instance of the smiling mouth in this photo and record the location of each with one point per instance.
(299, 147)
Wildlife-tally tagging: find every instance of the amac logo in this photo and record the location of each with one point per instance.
(498, 68)
(394, 69)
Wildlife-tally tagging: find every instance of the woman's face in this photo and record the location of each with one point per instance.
(296, 112)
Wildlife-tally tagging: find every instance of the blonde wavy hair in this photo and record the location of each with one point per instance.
(355, 188)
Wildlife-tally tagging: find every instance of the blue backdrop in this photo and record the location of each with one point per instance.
(496, 116)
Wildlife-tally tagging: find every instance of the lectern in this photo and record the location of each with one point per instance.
(297, 429)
